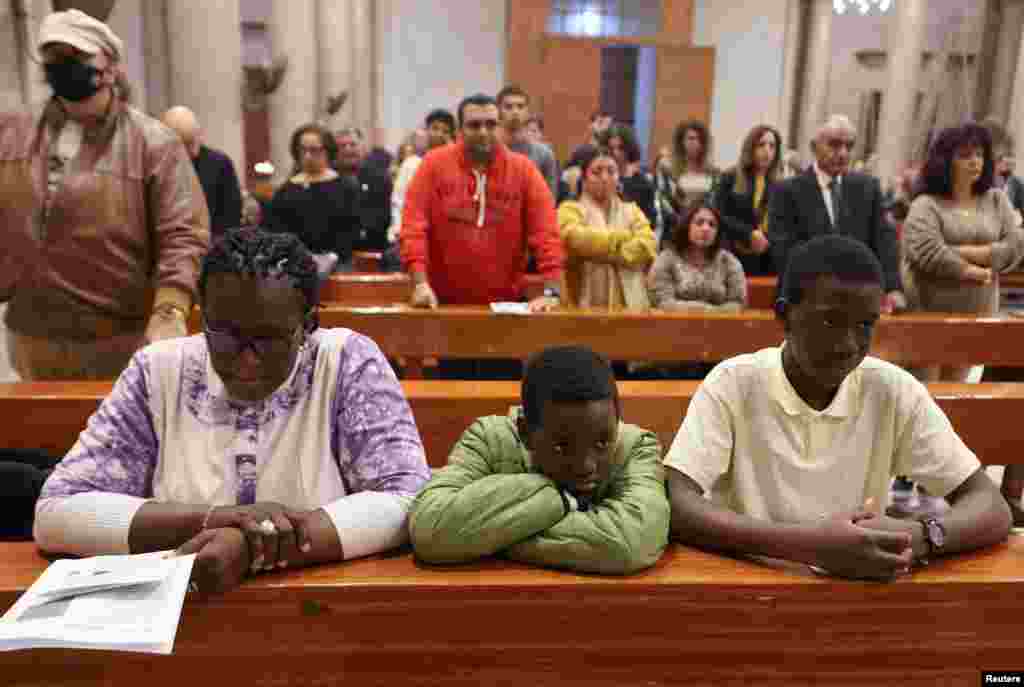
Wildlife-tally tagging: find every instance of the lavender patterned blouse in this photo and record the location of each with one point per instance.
(338, 434)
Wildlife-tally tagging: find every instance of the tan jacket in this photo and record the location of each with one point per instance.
(606, 261)
(128, 218)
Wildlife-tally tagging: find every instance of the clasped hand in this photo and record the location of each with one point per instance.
(247, 539)
(864, 545)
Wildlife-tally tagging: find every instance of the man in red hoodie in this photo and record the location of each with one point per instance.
(471, 211)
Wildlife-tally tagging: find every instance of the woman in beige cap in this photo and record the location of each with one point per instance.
(102, 219)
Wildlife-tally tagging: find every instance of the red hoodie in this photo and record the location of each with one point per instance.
(475, 253)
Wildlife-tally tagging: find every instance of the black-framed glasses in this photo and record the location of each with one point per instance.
(229, 342)
(478, 124)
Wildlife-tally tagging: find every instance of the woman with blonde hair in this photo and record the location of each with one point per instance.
(742, 197)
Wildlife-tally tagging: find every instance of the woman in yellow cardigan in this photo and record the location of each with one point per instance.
(608, 243)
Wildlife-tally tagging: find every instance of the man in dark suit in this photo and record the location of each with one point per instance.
(215, 171)
(375, 188)
(828, 198)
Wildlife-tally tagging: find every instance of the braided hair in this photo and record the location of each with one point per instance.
(256, 252)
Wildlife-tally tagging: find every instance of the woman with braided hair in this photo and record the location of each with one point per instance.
(262, 443)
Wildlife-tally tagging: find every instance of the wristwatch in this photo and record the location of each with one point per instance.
(552, 292)
(934, 537)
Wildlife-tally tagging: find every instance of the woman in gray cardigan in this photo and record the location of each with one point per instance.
(961, 233)
(694, 271)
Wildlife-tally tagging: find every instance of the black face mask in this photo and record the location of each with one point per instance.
(73, 80)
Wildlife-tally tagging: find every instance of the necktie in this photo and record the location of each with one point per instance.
(837, 204)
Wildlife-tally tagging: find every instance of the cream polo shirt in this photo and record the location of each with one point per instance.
(757, 448)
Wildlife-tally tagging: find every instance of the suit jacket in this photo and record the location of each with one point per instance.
(220, 186)
(740, 218)
(373, 208)
(798, 213)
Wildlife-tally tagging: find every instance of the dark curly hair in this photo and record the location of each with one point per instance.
(256, 252)
(565, 374)
(326, 140)
(937, 174)
(681, 232)
(630, 144)
(679, 147)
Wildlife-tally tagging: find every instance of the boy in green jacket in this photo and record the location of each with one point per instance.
(559, 482)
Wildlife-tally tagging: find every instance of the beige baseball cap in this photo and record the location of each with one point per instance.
(79, 30)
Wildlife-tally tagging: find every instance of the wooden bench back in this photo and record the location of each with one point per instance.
(376, 288)
(474, 332)
(50, 415)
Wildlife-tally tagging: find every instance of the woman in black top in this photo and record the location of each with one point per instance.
(316, 203)
(742, 198)
(637, 187)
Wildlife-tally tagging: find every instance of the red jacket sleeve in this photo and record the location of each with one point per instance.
(542, 225)
(416, 219)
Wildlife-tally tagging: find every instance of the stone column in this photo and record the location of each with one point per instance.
(1015, 125)
(1008, 47)
(126, 20)
(158, 62)
(12, 28)
(906, 37)
(363, 97)
(788, 117)
(293, 34)
(334, 28)
(34, 89)
(817, 70)
(209, 82)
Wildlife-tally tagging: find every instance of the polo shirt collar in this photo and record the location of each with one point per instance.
(783, 393)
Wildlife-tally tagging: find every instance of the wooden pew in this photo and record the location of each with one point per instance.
(358, 288)
(366, 289)
(475, 332)
(1012, 280)
(375, 288)
(366, 261)
(51, 414)
(694, 619)
(761, 292)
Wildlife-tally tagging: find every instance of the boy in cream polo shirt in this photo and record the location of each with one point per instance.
(796, 445)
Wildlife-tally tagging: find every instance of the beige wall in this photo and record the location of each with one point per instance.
(852, 33)
(432, 54)
(749, 42)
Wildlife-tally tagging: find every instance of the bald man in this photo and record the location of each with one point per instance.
(214, 169)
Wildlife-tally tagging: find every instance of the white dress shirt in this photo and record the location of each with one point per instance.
(824, 180)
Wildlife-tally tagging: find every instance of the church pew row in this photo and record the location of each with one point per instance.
(695, 618)
(395, 287)
(367, 261)
(360, 288)
(475, 332)
(51, 414)
(1012, 280)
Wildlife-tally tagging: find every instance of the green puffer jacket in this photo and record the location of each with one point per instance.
(490, 499)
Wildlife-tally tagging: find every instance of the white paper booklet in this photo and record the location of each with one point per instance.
(119, 603)
(507, 308)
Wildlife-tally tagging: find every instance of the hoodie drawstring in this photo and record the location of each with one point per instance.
(480, 197)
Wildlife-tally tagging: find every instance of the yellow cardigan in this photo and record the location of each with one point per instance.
(606, 262)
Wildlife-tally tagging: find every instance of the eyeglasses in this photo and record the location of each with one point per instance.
(228, 342)
(476, 125)
(311, 150)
